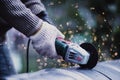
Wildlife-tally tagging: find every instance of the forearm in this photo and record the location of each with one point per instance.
(17, 15)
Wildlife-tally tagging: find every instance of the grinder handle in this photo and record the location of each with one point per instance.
(61, 47)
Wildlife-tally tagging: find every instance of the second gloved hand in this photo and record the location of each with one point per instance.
(44, 40)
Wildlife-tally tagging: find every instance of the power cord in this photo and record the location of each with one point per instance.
(27, 56)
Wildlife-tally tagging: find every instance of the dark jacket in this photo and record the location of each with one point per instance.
(20, 14)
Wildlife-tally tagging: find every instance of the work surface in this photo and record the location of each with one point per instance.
(108, 70)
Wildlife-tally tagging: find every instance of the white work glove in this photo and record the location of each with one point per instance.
(44, 40)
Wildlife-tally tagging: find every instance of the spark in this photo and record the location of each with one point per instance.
(45, 64)
(103, 43)
(89, 27)
(76, 5)
(76, 30)
(55, 19)
(61, 25)
(113, 56)
(67, 23)
(59, 2)
(38, 60)
(95, 38)
(51, 4)
(76, 14)
(92, 8)
(86, 33)
(59, 60)
(64, 32)
(24, 48)
(110, 49)
(115, 53)
(105, 20)
(103, 13)
(85, 39)
(99, 50)
(112, 38)
(100, 57)
(80, 28)
(71, 36)
(45, 58)
(107, 35)
(99, 46)
(70, 32)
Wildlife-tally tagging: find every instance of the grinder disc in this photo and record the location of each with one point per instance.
(93, 56)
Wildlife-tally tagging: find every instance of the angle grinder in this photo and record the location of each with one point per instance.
(84, 54)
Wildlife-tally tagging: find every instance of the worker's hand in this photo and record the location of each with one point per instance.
(44, 40)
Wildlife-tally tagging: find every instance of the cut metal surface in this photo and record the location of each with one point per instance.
(108, 70)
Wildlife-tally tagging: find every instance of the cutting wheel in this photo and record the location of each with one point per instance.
(93, 56)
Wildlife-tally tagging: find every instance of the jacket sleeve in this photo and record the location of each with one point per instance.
(19, 16)
(35, 6)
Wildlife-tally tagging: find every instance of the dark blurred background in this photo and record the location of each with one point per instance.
(94, 21)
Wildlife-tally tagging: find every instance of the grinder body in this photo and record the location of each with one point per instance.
(84, 55)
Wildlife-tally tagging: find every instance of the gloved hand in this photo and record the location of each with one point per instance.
(44, 40)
